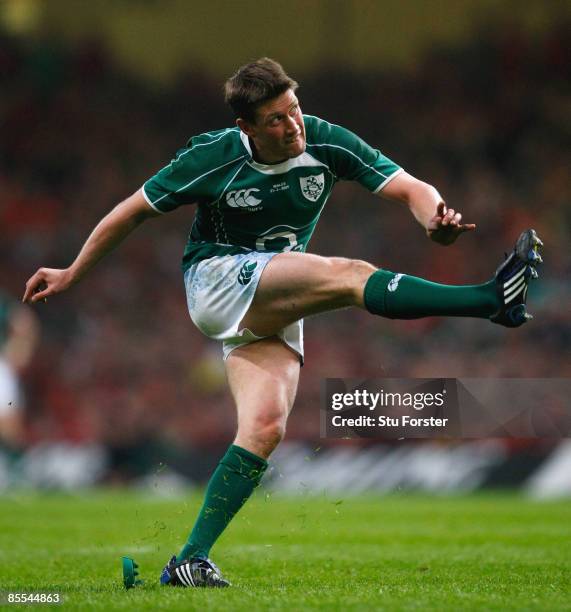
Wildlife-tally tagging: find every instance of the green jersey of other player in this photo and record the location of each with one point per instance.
(245, 205)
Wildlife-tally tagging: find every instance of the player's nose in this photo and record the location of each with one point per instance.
(291, 126)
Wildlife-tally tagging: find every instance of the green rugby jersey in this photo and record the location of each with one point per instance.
(244, 205)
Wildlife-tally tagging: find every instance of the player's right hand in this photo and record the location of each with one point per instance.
(46, 282)
(445, 226)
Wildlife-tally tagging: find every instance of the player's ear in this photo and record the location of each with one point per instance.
(245, 126)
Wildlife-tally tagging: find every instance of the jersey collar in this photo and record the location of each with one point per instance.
(304, 159)
(246, 142)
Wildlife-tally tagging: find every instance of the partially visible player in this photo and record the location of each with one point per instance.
(260, 188)
(18, 339)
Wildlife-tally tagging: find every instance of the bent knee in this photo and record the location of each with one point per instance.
(272, 434)
(352, 267)
(270, 427)
(348, 277)
(264, 431)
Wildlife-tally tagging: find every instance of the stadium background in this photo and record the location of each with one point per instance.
(471, 96)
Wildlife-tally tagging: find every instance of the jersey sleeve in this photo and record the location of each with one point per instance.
(177, 183)
(348, 156)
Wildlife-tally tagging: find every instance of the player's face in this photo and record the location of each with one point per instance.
(278, 132)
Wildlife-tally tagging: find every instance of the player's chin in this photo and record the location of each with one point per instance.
(296, 148)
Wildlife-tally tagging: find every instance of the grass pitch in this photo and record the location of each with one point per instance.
(479, 552)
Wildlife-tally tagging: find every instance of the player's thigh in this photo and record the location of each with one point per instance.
(263, 378)
(296, 285)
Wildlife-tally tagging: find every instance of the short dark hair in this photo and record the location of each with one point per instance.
(254, 84)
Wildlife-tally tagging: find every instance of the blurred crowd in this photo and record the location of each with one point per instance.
(119, 361)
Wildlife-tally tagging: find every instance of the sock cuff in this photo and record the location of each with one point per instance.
(245, 463)
(375, 292)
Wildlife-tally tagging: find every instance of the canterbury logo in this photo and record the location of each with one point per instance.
(394, 283)
(246, 272)
(242, 198)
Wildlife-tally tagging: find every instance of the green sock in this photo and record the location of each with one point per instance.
(237, 475)
(399, 296)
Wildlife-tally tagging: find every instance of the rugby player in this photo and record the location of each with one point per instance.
(260, 188)
(19, 335)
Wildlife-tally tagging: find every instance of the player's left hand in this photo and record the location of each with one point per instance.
(446, 225)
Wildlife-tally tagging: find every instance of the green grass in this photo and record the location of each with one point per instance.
(481, 552)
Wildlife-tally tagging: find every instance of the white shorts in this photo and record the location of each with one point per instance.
(10, 395)
(219, 292)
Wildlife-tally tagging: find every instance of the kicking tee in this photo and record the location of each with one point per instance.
(243, 205)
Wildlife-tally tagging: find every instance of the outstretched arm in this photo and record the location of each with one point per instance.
(108, 233)
(442, 224)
